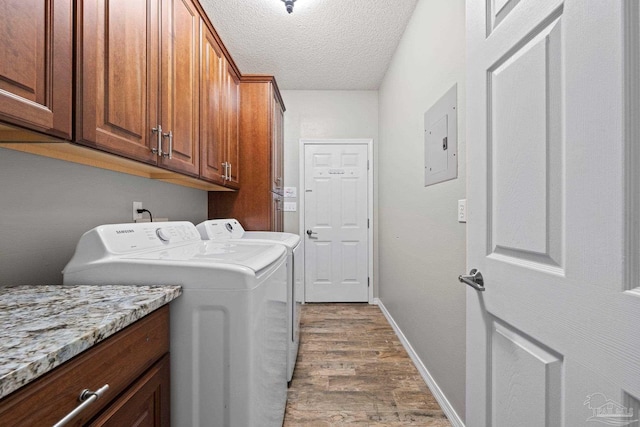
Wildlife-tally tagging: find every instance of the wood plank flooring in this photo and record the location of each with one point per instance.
(352, 370)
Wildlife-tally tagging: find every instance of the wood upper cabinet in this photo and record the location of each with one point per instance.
(219, 147)
(36, 72)
(212, 144)
(258, 203)
(133, 98)
(180, 77)
(118, 77)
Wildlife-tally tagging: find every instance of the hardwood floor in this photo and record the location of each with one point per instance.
(352, 370)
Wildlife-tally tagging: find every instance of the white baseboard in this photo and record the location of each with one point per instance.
(455, 420)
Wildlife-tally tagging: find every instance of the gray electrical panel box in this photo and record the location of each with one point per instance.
(441, 139)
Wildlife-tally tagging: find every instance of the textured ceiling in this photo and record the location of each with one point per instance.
(323, 44)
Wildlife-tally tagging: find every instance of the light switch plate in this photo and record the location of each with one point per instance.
(462, 210)
(290, 206)
(290, 192)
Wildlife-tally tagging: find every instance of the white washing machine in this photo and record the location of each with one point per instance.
(229, 327)
(231, 230)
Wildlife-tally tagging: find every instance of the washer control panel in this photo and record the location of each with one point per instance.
(123, 238)
(220, 229)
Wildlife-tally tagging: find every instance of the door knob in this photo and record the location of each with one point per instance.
(474, 279)
(310, 233)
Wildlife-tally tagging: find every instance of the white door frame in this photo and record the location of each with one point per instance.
(364, 141)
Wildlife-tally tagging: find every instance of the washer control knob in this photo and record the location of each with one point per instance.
(163, 235)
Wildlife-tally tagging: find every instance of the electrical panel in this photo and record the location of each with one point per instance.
(441, 139)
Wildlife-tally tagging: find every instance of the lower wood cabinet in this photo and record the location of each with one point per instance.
(134, 363)
(145, 403)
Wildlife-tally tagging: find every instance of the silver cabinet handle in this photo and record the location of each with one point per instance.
(158, 149)
(87, 397)
(168, 154)
(474, 279)
(229, 173)
(225, 167)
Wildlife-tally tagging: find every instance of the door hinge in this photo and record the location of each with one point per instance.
(368, 282)
(367, 222)
(367, 164)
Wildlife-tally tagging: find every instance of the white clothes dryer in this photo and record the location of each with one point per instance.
(231, 230)
(229, 327)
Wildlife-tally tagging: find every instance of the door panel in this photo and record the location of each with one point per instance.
(119, 77)
(125, 109)
(180, 86)
(553, 339)
(36, 59)
(336, 253)
(525, 139)
(525, 375)
(23, 48)
(231, 114)
(211, 111)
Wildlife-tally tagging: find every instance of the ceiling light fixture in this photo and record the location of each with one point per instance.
(289, 5)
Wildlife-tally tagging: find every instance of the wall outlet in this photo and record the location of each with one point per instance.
(462, 210)
(136, 215)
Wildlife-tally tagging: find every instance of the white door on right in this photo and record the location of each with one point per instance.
(336, 223)
(553, 213)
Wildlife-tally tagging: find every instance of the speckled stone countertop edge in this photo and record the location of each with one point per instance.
(30, 364)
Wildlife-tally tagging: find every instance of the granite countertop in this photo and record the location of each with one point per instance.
(43, 326)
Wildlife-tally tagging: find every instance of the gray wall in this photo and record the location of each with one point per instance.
(46, 205)
(421, 244)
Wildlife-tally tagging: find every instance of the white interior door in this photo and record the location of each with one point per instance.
(553, 219)
(335, 223)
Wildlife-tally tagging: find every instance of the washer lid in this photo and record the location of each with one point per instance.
(288, 239)
(211, 253)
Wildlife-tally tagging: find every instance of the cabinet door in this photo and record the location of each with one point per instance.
(180, 86)
(145, 403)
(36, 64)
(118, 77)
(212, 139)
(277, 147)
(232, 92)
